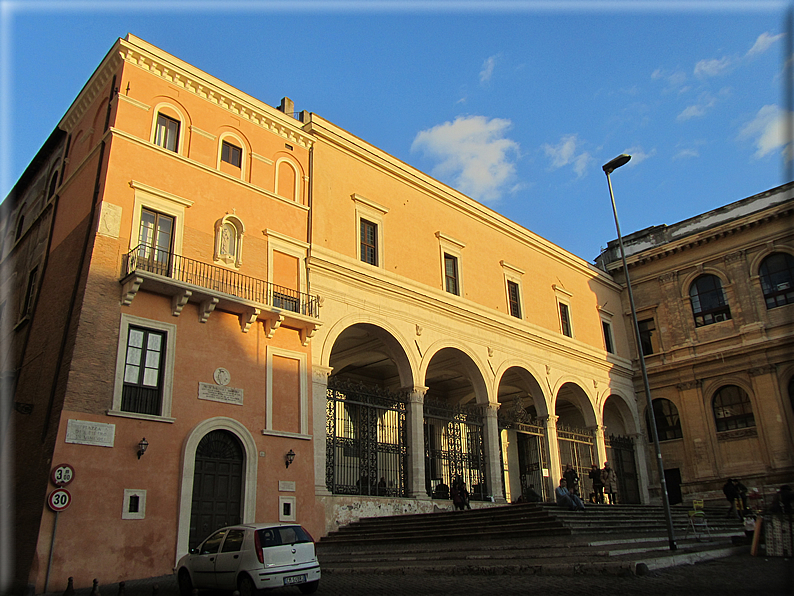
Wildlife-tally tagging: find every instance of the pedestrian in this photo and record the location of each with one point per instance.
(735, 492)
(459, 494)
(567, 499)
(571, 479)
(532, 495)
(783, 501)
(598, 486)
(610, 481)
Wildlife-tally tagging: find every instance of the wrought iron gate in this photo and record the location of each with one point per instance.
(365, 439)
(577, 448)
(620, 454)
(531, 444)
(453, 446)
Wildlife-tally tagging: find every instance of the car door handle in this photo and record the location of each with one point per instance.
(236, 556)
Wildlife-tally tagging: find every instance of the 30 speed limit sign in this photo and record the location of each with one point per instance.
(59, 499)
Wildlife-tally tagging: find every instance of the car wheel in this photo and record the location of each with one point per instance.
(185, 585)
(246, 586)
(309, 588)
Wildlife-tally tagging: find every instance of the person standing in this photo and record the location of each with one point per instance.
(571, 479)
(610, 481)
(598, 486)
(733, 494)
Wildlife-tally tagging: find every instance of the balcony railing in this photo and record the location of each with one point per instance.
(219, 279)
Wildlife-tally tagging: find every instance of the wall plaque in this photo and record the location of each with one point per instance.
(286, 486)
(227, 395)
(83, 432)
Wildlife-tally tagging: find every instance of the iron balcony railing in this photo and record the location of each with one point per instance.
(176, 267)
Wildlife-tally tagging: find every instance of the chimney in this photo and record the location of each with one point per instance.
(287, 106)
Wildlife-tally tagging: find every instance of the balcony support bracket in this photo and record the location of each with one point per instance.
(129, 289)
(206, 309)
(248, 317)
(178, 302)
(307, 333)
(272, 324)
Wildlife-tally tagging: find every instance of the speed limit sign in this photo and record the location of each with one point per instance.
(59, 499)
(62, 475)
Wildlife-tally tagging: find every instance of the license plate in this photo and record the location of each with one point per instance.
(295, 579)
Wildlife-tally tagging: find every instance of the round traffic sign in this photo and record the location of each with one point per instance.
(62, 474)
(59, 499)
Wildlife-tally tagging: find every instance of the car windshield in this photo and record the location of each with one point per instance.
(283, 535)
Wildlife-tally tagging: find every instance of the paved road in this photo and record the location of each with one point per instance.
(733, 576)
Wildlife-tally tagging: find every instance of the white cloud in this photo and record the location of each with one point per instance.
(706, 101)
(638, 155)
(712, 68)
(687, 153)
(474, 154)
(763, 43)
(767, 130)
(487, 69)
(674, 79)
(565, 153)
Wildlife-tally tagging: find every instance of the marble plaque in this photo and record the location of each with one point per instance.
(286, 486)
(221, 393)
(83, 432)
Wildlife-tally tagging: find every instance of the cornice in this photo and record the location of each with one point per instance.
(88, 94)
(138, 53)
(323, 130)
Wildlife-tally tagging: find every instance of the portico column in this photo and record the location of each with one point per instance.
(319, 415)
(550, 424)
(600, 444)
(641, 461)
(415, 435)
(493, 461)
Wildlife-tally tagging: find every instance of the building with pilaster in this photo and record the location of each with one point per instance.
(715, 302)
(219, 311)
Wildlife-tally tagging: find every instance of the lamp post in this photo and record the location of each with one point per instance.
(608, 168)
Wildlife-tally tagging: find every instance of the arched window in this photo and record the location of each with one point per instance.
(708, 301)
(732, 408)
(668, 423)
(53, 185)
(777, 279)
(229, 233)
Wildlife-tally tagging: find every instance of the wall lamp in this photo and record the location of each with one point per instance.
(289, 458)
(142, 447)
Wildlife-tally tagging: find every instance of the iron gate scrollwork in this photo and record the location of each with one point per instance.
(531, 446)
(454, 446)
(366, 447)
(577, 448)
(620, 453)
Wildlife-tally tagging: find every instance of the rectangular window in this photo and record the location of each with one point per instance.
(143, 371)
(608, 337)
(154, 241)
(166, 135)
(565, 320)
(369, 242)
(30, 293)
(451, 274)
(648, 337)
(514, 298)
(231, 154)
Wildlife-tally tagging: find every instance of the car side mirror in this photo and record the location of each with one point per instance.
(194, 551)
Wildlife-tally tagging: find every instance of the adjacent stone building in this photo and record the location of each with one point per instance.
(715, 302)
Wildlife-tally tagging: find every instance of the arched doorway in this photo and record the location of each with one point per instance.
(575, 439)
(620, 447)
(217, 485)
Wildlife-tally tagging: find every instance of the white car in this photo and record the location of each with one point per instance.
(251, 557)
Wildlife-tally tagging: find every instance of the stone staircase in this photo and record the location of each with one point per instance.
(526, 538)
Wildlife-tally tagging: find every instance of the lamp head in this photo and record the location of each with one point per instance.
(612, 165)
(289, 457)
(142, 447)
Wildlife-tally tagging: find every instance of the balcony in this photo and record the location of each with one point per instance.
(210, 287)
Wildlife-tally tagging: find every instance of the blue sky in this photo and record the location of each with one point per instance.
(517, 104)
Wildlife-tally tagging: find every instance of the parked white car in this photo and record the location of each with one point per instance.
(251, 557)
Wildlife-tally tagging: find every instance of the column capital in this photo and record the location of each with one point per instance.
(416, 393)
(320, 373)
(489, 410)
(549, 421)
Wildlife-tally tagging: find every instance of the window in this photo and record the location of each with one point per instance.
(53, 185)
(231, 154)
(143, 372)
(20, 227)
(565, 320)
(451, 274)
(777, 279)
(608, 337)
(369, 242)
(134, 504)
(234, 541)
(144, 369)
(166, 133)
(30, 293)
(668, 424)
(155, 241)
(514, 299)
(732, 409)
(212, 544)
(708, 301)
(648, 338)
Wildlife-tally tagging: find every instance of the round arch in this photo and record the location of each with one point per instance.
(518, 374)
(623, 407)
(189, 466)
(173, 109)
(459, 361)
(573, 393)
(235, 137)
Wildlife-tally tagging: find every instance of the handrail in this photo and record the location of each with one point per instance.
(170, 265)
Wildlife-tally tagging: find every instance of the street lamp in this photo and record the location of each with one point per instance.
(609, 167)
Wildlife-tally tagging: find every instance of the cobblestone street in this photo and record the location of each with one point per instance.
(731, 576)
